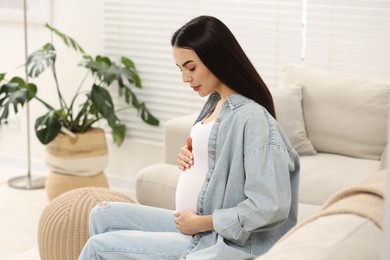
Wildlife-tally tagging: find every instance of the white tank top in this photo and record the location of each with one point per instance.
(191, 180)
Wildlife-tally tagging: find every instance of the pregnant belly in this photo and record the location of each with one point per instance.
(188, 188)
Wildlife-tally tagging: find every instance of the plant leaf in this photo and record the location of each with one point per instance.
(15, 93)
(118, 133)
(146, 116)
(40, 60)
(131, 97)
(2, 75)
(69, 41)
(144, 113)
(102, 101)
(100, 66)
(47, 127)
(132, 75)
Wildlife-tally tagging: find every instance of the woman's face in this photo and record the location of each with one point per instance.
(195, 72)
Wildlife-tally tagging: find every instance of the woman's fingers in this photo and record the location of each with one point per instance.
(183, 164)
(184, 158)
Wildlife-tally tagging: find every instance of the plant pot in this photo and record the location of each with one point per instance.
(76, 162)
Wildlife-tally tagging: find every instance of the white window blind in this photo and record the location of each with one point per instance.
(269, 32)
(141, 30)
(349, 36)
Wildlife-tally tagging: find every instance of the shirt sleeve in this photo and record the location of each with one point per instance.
(268, 195)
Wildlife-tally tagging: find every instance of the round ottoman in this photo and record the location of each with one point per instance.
(63, 225)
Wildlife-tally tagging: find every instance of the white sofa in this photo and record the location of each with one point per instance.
(338, 125)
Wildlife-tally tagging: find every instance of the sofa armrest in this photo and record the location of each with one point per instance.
(176, 131)
(156, 185)
(342, 236)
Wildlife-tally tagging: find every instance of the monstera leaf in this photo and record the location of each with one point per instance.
(47, 127)
(14, 93)
(40, 60)
(102, 102)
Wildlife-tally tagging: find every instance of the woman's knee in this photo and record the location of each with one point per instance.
(97, 217)
(91, 247)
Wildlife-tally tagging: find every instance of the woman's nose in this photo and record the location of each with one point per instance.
(186, 78)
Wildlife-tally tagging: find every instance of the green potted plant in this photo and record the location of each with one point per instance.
(97, 103)
(76, 151)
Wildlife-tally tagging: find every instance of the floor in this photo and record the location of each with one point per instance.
(20, 212)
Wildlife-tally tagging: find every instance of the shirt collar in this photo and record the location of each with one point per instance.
(236, 100)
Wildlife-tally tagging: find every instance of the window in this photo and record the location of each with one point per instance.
(343, 36)
(349, 36)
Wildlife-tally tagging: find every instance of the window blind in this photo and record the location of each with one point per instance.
(269, 32)
(349, 36)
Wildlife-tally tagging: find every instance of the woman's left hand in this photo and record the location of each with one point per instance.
(189, 223)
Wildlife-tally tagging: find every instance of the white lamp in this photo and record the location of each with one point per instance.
(27, 182)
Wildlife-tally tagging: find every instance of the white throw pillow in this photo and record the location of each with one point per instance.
(288, 108)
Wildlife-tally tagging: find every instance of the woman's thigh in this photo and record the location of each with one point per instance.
(129, 244)
(112, 216)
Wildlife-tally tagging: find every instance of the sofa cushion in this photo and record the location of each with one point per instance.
(346, 115)
(325, 174)
(305, 211)
(288, 108)
(343, 236)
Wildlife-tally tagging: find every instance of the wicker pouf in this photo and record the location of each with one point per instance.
(63, 226)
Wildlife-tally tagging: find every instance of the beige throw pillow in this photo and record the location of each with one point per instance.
(344, 114)
(288, 108)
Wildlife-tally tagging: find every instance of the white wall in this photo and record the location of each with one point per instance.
(82, 21)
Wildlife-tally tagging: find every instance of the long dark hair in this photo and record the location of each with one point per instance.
(220, 51)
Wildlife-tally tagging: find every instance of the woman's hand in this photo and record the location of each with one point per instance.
(185, 158)
(189, 223)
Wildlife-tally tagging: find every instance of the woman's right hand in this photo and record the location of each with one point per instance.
(185, 158)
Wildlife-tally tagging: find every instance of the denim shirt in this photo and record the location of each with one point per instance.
(251, 187)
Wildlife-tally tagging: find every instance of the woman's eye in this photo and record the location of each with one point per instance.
(192, 69)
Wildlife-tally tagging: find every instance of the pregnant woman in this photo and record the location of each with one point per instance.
(238, 189)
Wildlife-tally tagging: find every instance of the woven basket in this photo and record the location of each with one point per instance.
(63, 226)
(84, 155)
(57, 183)
(76, 162)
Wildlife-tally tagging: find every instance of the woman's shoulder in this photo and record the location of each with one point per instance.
(250, 111)
(255, 118)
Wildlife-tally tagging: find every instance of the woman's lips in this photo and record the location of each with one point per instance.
(196, 88)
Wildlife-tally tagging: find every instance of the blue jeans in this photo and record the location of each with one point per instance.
(131, 231)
